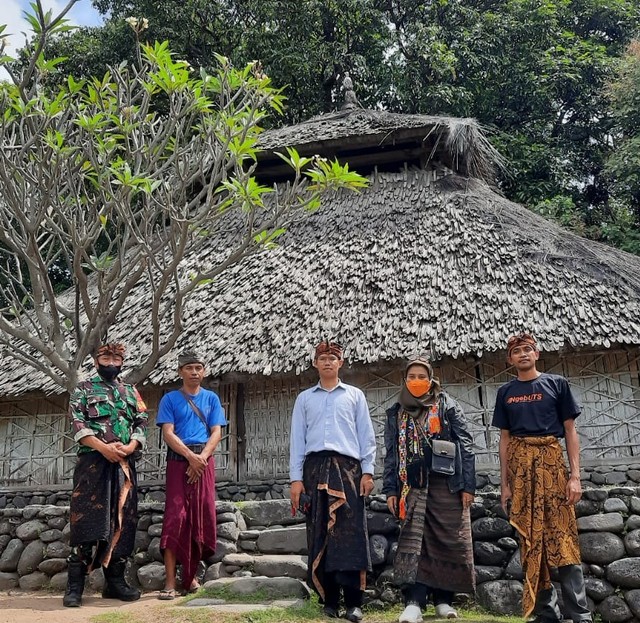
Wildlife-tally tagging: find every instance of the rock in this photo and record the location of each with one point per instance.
(271, 587)
(34, 581)
(155, 530)
(248, 546)
(228, 531)
(96, 580)
(225, 507)
(586, 508)
(212, 572)
(381, 523)
(144, 522)
(614, 609)
(487, 574)
(142, 542)
(625, 573)
(238, 560)
(608, 522)
(491, 529)
(600, 548)
(4, 541)
(391, 554)
(6, 527)
(378, 546)
(596, 570)
(281, 566)
(487, 553)
(8, 580)
(513, 570)
(597, 588)
(57, 549)
(633, 601)
(634, 474)
(632, 543)
(57, 523)
(596, 495)
(223, 548)
(11, 555)
(152, 576)
(633, 522)
(242, 573)
(51, 566)
(31, 557)
(615, 505)
(225, 517)
(268, 513)
(389, 595)
(154, 550)
(615, 478)
(634, 505)
(283, 541)
(508, 543)
(501, 596)
(58, 582)
(48, 536)
(30, 530)
(142, 558)
(386, 577)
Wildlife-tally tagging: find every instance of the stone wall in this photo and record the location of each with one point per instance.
(260, 538)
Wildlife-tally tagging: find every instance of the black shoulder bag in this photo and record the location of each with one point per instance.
(197, 411)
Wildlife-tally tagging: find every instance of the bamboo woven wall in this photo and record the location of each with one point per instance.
(36, 449)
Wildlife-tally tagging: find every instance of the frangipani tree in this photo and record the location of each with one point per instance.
(114, 180)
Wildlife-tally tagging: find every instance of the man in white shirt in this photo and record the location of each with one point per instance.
(332, 457)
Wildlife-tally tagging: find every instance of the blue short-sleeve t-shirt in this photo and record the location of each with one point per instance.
(535, 408)
(175, 409)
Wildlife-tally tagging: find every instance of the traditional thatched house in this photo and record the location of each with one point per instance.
(428, 258)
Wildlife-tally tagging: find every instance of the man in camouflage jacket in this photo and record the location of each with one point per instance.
(109, 422)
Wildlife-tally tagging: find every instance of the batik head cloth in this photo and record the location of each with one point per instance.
(189, 356)
(520, 340)
(110, 348)
(328, 348)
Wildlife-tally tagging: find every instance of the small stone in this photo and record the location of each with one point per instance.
(632, 543)
(597, 588)
(633, 522)
(30, 530)
(57, 549)
(633, 601)
(634, 505)
(491, 529)
(487, 553)
(614, 609)
(152, 576)
(507, 543)
(8, 580)
(11, 555)
(501, 596)
(615, 505)
(624, 573)
(31, 557)
(48, 536)
(596, 495)
(155, 530)
(225, 517)
(585, 508)
(513, 570)
(378, 546)
(34, 581)
(51, 566)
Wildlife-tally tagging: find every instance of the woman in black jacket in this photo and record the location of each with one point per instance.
(429, 480)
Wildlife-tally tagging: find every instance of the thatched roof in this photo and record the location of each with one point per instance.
(366, 137)
(407, 265)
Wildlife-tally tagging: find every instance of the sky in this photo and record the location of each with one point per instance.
(11, 14)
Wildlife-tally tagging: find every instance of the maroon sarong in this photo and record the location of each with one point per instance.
(189, 526)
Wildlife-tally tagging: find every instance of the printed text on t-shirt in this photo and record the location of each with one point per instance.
(524, 398)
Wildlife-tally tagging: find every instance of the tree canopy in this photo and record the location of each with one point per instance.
(110, 181)
(533, 72)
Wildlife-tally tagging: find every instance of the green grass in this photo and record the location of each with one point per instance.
(260, 596)
(116, 617)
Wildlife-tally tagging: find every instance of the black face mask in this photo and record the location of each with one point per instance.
(108, 373)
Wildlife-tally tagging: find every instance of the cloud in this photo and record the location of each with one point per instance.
(82, 14)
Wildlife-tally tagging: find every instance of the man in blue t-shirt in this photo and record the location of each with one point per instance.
(533, 411)
(191, 419)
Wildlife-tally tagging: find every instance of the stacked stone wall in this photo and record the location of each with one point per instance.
(261, 538)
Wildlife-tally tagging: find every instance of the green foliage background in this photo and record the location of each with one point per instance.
(550, 79)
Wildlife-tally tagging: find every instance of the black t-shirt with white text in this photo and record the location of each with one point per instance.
(535, 408)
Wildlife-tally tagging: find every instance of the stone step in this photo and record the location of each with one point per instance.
(270, 565)
(271, 587)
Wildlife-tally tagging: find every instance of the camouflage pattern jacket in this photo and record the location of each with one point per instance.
(110, 411)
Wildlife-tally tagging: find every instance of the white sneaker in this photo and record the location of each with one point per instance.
(445, 611)
(411, 614)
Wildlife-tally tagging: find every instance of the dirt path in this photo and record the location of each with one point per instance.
(38, 608)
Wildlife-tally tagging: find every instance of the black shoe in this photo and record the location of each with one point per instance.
(115, 586)
(76, 573)
(354, 615)
(330, 612)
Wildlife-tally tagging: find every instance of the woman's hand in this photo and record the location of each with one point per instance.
(467, 500)
(392, 505)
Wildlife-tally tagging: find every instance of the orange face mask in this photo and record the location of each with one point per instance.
(418, 387)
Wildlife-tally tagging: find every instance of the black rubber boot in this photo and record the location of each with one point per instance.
(115, 586)
(76, 573)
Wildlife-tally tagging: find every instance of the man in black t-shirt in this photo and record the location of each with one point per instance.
(533, 411)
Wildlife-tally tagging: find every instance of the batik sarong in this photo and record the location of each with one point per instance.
(435, 546)
(104, 507)
(189, 526)
(336, 526)
(545, 521)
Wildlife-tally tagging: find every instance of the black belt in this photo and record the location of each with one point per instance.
(196, 448)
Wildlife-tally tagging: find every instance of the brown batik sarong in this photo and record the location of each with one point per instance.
(189, 526)
(540, 513)
(435, 546)
(336, 527)
(104, 507)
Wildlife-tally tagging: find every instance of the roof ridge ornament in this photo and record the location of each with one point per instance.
(350, 100)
